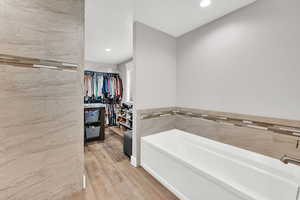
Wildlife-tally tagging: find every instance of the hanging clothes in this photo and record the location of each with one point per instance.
(111, 118)
(100, 85)
(95, 85)
(88, 86)
(112, 87)
(104, 88)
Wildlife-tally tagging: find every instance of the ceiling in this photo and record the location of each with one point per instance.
(177, 17)
(108, 25)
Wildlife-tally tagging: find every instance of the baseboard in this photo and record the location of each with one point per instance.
(84, 182)
(133, 161)
(165, 183)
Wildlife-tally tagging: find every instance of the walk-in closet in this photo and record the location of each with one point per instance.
(105, 91)
(108, 106)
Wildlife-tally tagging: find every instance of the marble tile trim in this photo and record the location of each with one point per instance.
(280, 126)
(156, 112)
(18, 61)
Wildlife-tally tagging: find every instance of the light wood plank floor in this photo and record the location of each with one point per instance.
(111, 177)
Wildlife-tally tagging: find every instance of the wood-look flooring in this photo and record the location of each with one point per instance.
(118, 130)
(111, 177)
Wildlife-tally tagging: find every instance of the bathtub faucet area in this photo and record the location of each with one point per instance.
(287, 159)
(195, 167)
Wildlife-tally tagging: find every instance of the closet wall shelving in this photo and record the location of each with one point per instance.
(125, 117)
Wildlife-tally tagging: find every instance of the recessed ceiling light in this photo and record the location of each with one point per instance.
(107, 50)
(205, 3)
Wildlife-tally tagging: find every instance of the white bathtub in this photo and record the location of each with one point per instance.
(196, 168)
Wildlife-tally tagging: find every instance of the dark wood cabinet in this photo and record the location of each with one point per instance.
(97, 125)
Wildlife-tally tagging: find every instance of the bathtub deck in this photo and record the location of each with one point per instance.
(111, 177)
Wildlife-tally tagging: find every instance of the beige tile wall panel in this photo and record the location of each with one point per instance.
(154, 125)
(264, 142)
(41, 118)
(41, 136)
(41, 140)
(260, 141)
(271, 120)
(45, 29)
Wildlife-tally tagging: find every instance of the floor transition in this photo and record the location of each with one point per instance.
(111, 177)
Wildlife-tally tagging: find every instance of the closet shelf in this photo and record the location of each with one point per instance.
(92, 123)
(125, 125)
(126, 118)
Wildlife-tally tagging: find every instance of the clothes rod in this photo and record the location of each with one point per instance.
(102, 73)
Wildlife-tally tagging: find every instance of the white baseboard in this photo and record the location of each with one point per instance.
(133, 161)
(165, 183)
(83, 181)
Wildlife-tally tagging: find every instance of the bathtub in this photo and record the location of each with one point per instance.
(197, 168)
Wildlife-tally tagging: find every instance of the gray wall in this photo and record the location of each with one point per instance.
(246, 62)
(155, 65)
(154, 80)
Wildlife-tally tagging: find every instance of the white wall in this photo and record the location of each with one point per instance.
(100, 67)
(247, 62)
(155, 68)
(126, 71)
